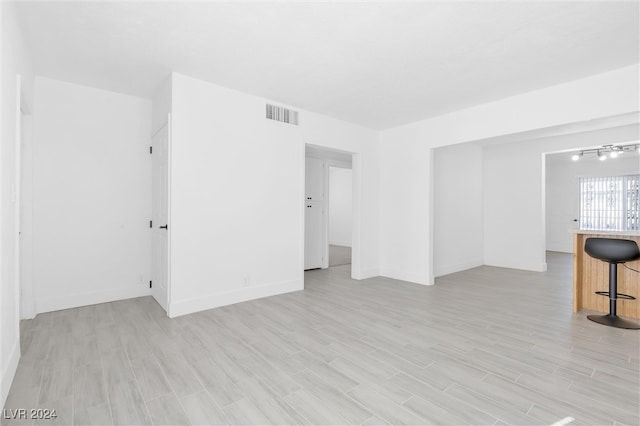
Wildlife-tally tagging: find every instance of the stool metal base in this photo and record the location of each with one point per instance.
(614, 321)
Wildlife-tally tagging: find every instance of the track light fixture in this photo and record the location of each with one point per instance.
(613, 151)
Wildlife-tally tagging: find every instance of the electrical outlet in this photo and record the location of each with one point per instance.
(141, 279)
(246, 282)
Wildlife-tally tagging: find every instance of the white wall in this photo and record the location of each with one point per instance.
(514, 197)
(563, 191)
(14, 60)
(340, 206)
(92, 195)
(236, 198)
(237, 195)
(161, 105)
(457, 208)
(405, 181)
(406, 171)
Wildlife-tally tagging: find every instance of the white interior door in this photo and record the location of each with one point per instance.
(160, 217)
(313, 226)
(314, 179)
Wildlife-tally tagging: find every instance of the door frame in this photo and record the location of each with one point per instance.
(16, 195)
(356, 230)
(24, 218)
(169, 221)
(24, 136)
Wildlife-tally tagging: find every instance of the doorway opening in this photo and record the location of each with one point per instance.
(340, 215)
(564, 171)
(329, 219)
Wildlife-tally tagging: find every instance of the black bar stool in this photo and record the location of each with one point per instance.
(613, 251)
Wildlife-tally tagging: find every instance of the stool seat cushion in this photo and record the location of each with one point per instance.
(612, 250)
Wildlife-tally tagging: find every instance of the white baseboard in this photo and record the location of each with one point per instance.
(93, 298)
(210, 301)
(9, 371)
(560, 249)
(456, 267)
(340, 243)
(407, 276)
(363, 274)
(534, 267)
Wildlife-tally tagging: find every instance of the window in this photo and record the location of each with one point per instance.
(610, 203)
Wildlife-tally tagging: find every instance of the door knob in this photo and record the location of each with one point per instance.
(164, 227)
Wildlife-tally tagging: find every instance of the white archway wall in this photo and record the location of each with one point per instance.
(514, 195)
(489, 200)
(407, 178)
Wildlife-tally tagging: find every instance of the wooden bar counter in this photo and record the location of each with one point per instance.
(591, 275)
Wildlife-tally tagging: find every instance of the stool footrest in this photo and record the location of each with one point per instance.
(618, 295)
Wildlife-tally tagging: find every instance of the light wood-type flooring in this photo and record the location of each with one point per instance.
(484, 346)
(339, 255)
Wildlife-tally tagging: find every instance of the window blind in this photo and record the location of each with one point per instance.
(610, 203)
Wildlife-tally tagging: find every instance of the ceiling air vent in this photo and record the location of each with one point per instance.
(282, 114)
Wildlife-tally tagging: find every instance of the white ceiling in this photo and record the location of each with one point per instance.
(376, 64)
